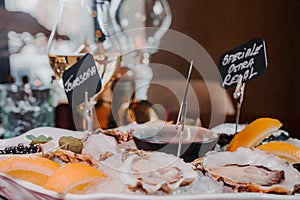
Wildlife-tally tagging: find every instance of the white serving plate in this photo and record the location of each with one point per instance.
(55, 133)
(13, 188)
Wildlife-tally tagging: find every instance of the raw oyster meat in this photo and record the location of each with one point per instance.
(153, 171)
(251, 170)
(98, 145)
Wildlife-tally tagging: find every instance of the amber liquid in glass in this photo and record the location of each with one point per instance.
(60, 63)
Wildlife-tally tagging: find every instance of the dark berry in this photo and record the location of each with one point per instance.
(20, 147)
(26, 148)
(32, 151)
(6, 150)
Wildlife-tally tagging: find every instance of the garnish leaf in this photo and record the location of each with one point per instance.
(41, 139)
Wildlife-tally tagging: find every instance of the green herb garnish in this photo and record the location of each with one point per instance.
(41, 139)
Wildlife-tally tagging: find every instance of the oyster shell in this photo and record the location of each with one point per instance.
(69, 156)
(119, 136)
(153, 171)
(98, 145)
(251, 170)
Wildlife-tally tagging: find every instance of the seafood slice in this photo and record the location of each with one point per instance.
(245, 174)
(251, 170)
(153, 171)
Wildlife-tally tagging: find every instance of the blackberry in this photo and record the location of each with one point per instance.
(21, 149)
(6, 150)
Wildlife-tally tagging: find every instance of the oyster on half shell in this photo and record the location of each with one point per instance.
(153, 171)
(251, 170)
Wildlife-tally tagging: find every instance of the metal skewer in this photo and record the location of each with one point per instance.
(182, 111)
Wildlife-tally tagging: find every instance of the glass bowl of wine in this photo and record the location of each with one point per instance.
(197, 141)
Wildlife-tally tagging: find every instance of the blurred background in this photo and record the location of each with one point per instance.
(218, 26)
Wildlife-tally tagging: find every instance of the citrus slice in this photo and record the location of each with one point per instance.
(284, 150)
(36, 170)
(85, 186)
(254, 133)
(73, 174)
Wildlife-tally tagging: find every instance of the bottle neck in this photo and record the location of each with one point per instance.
(102, 20)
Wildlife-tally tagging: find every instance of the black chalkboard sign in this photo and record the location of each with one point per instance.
(82, 77)
(248, 59)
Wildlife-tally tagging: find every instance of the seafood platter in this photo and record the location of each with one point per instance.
(260, 161)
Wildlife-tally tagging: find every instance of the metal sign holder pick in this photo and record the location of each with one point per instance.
(239, 96)
(88, 118)
(182, 111)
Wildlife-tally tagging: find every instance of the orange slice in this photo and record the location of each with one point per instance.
(254, 133)
(73, 175)
(284, 150)
(36, 170)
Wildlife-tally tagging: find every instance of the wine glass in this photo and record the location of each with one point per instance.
(66, 43)
(139, 27)
(140, 24)
(75, 32)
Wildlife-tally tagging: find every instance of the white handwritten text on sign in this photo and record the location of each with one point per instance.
(82, 77)
(248, 59)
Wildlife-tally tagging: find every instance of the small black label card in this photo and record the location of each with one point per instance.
(248, 59)
(82, 77)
